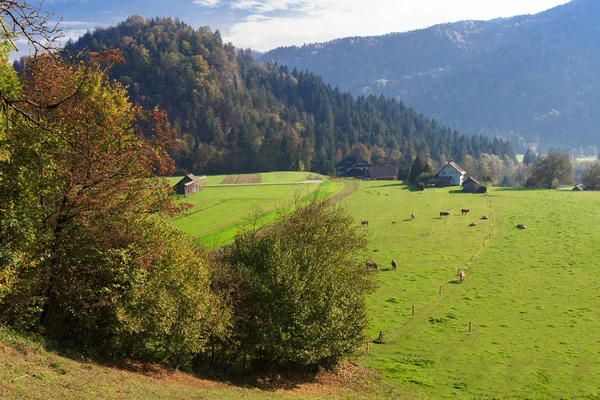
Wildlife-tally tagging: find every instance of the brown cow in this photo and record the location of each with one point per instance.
(412, 216)
(394, 266)
(372, 264)
(485, 217)
(444, 213)
(465, 211)
(461, 276)
(474, 223)
(364, 222)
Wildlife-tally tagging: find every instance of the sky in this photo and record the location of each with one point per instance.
(266, 24)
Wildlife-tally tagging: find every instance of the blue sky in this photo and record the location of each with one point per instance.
(266, 24)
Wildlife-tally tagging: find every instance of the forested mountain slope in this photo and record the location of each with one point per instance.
(531, 78)
(239, 116)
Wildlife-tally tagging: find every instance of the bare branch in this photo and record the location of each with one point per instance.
(19, 18)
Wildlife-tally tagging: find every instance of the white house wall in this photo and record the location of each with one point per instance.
(456, 176)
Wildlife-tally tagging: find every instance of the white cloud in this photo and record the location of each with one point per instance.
(207, 3)
(305, 21)
(256, 18)
(264, 6)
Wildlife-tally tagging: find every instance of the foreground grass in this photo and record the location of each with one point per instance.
(530, 296)
(29, 371)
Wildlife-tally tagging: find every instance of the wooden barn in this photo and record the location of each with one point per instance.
(382, 173)
(352, 167)
(579, 187)
(451, 175)
(470, 185)
(189, 185)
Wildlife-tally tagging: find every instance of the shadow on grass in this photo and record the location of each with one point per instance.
(270, 379)
(454, 282)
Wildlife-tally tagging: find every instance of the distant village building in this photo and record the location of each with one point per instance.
(382, 173)
(355, 167)
(190, 185)
(470, 185)
(579, 187)
(450, 175)
(352, 167)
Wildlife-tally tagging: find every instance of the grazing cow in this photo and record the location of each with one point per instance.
(394, 266)
(474, 223)
(461, 276)
(364, 222)
(485, 217)
(522, 226)
(372, 264)
(444, 213)
(412, 216)
(465, 211)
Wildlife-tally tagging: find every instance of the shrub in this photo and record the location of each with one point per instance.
(298, 289)
(482, 189)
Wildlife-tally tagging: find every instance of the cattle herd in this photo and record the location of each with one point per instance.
(464, 211)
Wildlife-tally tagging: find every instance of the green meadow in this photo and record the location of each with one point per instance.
(530, 296)
(524, 324)
(219, 212)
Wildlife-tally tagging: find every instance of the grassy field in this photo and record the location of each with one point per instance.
(218, 213)
(524, 324)
(531, 296)
(266, 177)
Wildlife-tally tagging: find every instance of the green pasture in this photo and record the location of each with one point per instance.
(532, 296)
(266, 177)
(288, 176)
(218, 213)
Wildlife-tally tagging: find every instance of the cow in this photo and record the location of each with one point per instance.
(485, 217)
(465, 211)
(522, 226)
(444, 213)
(394, 266)
(461, 276)
(372, 264)
(364, 222)
(412, 216)
(474, 223)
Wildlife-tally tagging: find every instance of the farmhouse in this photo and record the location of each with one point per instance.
(470, 185)
(451, 175)
(189, 185)
(352, 167)
(579, 187)
(382, 173)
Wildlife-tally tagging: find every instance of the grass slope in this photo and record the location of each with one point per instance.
(531, 296)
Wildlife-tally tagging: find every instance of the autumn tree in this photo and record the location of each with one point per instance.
(100, 268)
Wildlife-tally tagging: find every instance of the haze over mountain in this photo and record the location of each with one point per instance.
(534, 79)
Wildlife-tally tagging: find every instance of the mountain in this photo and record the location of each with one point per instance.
(236, 116)
(533, 79)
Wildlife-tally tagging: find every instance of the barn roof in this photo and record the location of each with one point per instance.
(191, 177)
(471, 179)
(375, 172)
(350, 162)
(453, 165)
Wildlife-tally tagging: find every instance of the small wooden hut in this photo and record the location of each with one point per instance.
(470, 185)
(189, 185)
